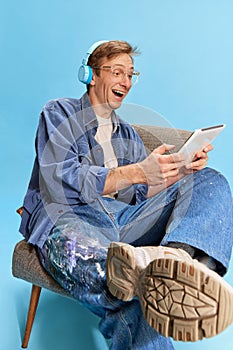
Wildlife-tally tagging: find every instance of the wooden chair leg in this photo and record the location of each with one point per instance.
(35, 295)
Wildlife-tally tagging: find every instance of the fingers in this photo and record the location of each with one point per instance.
(170, 173)
(201, 159)
(169, 164)
(159, 167)
(208, 148)
(168, 158)
(203, 153)
(163, 148)
(198, 164)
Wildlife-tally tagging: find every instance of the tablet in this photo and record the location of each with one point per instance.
(199, 139)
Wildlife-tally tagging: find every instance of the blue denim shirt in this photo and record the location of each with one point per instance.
(69, 166)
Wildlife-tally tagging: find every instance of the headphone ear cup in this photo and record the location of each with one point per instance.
(85, 71)
(85, 74)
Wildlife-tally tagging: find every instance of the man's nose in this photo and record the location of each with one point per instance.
(126, 79)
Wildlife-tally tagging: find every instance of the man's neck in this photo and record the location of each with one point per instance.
(102, 111)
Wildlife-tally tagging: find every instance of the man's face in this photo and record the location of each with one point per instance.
(107, 89)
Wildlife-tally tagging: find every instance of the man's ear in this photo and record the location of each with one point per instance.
(92, 82)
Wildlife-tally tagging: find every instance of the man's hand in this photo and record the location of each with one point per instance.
(200, 160)
(178, 170)
(158, 168)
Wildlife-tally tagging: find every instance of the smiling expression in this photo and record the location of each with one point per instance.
(105, 93)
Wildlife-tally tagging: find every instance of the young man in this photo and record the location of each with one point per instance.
(139, 240)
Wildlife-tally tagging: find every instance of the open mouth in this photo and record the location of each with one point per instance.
(118, 93)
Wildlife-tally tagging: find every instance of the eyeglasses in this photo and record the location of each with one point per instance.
(118, 74)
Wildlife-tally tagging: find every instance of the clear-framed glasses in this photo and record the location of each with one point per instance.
(119, 74)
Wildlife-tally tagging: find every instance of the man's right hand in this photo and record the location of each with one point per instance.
(159, 167)
(158, 170)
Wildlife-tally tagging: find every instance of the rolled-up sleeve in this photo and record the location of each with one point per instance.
(138, 154)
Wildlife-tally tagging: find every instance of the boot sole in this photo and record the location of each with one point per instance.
(185, 300)
(120, 267)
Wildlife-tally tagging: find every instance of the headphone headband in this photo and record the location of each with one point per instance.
(85, 71)
(92, 49)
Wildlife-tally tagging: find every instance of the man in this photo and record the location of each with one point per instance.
(139, 240)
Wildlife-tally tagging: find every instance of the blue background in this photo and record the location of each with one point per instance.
(186, 75)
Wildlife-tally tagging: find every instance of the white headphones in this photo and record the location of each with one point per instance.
(85, 71)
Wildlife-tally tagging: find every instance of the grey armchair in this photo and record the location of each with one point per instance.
(25, 263)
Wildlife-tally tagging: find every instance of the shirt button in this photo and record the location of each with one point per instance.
(60, 211)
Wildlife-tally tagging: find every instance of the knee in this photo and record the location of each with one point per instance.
(214, 178)
(215, 187)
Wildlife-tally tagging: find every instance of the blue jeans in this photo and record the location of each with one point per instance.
(197, 211)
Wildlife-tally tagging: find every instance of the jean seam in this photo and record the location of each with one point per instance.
(110, 214)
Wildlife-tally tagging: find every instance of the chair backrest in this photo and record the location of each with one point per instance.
(153, 136)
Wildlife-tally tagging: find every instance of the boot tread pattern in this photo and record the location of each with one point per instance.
(180, 301)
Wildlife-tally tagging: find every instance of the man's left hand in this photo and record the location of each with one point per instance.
(200, 160)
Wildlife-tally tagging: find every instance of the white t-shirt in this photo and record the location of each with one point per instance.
(103, 137)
